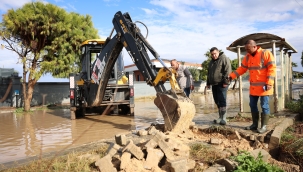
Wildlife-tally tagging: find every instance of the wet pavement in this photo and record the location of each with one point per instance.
(42, 131)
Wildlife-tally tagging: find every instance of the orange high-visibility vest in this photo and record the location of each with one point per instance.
(262, 71)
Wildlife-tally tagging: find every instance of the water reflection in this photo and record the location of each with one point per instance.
(23, 135)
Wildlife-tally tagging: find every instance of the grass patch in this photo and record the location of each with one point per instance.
(291, 145)
(74, 161)
(204, 153)
(247, 162)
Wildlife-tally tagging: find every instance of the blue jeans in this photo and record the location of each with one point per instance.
(187, 91)
(253, 103)
(219, 95)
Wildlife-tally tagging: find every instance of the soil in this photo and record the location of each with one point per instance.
(291, 149)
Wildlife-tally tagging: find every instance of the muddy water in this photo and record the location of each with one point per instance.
(42, 131)
(23, 135)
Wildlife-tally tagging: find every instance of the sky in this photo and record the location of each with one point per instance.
(185, 29)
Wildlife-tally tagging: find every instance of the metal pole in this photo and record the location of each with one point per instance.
(286, 76)
(290, 75)
(240, 80)
(276, 104)
(282, 78)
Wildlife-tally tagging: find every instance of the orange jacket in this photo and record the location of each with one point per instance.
(262, 71)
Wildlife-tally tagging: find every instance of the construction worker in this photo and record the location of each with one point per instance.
(219, 69)
(184, 78)
(262, 71)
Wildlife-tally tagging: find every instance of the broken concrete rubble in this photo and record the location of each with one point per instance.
(159, 148)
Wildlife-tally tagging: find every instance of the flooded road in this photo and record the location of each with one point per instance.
(42, 131)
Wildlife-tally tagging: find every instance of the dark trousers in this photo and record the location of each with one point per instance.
(187, 91)
(219, 95)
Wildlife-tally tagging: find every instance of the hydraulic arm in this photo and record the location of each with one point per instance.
(129, 36)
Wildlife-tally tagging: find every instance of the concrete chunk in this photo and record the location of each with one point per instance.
(105, 164)
(216, 168)
(125, 160)
(113, 149)
(228, 164)
(178, 165)
(215, 141)
(142, 132)
(238, 135)
(134, 150)
(153, 158)
(276, 135)
(152, 130)
(121, 139)
(166, 149)
(153, 143)
(264, 153)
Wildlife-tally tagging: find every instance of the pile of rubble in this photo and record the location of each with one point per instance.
(160, 153)
(153, 150)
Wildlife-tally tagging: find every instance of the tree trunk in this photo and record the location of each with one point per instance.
(29, 95)
(30, 85)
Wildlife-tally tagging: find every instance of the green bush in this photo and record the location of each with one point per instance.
(295, 106)
(247, 162)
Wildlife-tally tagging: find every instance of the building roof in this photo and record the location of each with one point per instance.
(156, 62)
(264, 39)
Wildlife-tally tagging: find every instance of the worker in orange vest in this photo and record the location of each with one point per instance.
(262, 71)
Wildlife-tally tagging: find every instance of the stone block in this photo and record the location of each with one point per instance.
(190, 164)
(166, 149)
(153, 142)
(125, 160)
(142, 132)
(113, 149)
(121, 139)
(153, 158)
(264, 153)
(252, 137)
(229, 165)
(152, 130)
(277, 133)
(134, 150)
(238, 135)
(215, 168)
(105, 164)
(215, 141)
(179, 165)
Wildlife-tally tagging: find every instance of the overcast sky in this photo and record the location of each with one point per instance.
(186, 29)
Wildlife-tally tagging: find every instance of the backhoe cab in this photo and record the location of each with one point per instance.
(119, 94)
(93, 82)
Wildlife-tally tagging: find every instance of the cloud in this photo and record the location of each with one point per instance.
(189, 28)
(8, 4)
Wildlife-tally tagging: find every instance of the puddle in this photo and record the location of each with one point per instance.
(24, 135)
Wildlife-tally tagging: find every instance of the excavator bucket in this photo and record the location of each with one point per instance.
(178, 111)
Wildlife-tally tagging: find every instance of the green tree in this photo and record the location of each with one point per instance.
(234, 64)
(195, 73)
(47, 40)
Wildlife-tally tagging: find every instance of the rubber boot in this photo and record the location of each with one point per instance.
(255, 119)
(223, 115)
(264, 122)
(217, 121)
